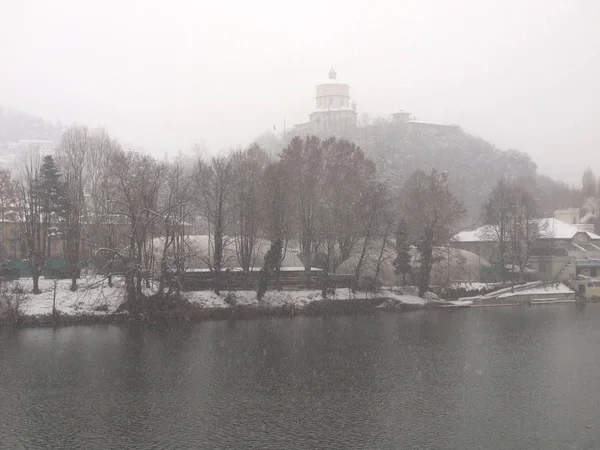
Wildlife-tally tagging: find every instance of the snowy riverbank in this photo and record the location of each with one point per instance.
(528, 293)
(97, 302)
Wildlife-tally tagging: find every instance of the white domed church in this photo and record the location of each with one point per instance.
(334, 112)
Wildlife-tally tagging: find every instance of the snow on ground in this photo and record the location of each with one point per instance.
(460, 302)
(93, 296)
(532, 288)
(473, 285)
(513, 289)
(554, 288)
(255, 269)
(393, 294)
(209, 299)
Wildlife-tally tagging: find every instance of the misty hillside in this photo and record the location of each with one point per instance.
(16, 126)
(398, 149)
(474, 164)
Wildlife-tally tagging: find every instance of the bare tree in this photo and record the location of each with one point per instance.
(138, 179)
(302, 160)
(588, 183)
(386, 249)
(72, 153)
(498, 212)
(34, 227)
(214, 183)
(248, 167)
(526, 227)
(277, 224)
(431, 211)
(8, 200)
(102, 228)
(403, 257)
(347, 177)
(374, 202)
(175, 208)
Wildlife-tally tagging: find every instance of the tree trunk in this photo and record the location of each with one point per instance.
(138, 284)
(381, 253)
(54, 300)
(218, 255)
(36, 283)
(359, 265)
(426, 262)
(307, 276)
(277, 272)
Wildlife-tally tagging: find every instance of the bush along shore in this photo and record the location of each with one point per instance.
(95, 302)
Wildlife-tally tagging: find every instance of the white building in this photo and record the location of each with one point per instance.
(334, 112)
(562, 247)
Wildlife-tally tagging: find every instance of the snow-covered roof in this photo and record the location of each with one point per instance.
(550, 228)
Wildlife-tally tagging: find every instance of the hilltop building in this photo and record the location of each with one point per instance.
(335, 114)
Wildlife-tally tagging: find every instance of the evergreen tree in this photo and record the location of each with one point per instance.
(402, 261)
(52, 193)
(270, 265)
(52, 188)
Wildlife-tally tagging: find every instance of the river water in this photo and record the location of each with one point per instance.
(479, 378)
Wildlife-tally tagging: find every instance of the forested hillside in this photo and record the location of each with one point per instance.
(473, 164)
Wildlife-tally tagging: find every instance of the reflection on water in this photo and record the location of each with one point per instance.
(486, 378)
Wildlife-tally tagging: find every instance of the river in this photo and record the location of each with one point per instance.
(479, 378)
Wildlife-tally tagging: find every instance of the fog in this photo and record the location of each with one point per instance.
(163, 75)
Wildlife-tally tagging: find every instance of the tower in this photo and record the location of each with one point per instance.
(333, 114)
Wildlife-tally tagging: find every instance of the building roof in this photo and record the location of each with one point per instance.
(430, 124)
(588, 263)
(550, 228)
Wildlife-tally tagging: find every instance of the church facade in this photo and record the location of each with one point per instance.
(334, 113)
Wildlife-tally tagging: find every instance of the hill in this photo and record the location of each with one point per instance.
(474, 164)
(20, 133)
(398, 149)
(16, 126)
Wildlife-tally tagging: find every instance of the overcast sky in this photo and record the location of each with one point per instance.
(163, 74)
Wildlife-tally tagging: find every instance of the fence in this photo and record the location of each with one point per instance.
(53, 268)
(235, 280)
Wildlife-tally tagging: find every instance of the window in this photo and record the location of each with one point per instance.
(543, 267)
(594, 272)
